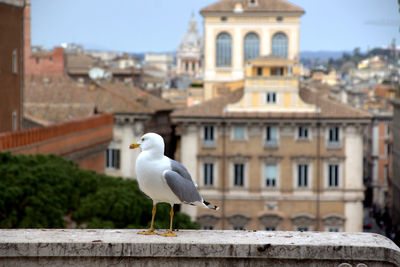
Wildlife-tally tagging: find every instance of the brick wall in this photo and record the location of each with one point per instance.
(40, 63)
(11, 51)
(83, 141)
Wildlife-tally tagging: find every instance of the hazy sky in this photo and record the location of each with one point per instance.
(158, 25)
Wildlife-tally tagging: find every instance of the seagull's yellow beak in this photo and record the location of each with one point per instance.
(134, 145)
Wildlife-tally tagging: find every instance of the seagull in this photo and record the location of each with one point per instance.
(164, 180)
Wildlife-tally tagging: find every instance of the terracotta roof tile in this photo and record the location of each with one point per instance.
(262, 6)
(215, 108)
(61, 99)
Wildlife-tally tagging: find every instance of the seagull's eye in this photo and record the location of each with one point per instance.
(142, 139)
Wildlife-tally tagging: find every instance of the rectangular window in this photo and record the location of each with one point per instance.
(303, 132)
(289, 70)
(387, 129)
(208, 133)
(386, 171)
(277, 71)
(270, 175)
(14, 61)
(238, 132)
(193, 67)
(187, 67)
(238, 170)
(259, 71)
(333, 175)
(270, 97)
(271, 137)
(388, 149)
(14, 120)
(302, 175)
(112, 158)
(334, 134)
(208, 173)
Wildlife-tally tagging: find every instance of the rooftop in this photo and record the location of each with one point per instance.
(261, 6)
(61, 99)
(330, 109)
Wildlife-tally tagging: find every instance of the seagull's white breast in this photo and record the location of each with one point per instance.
(149, 174)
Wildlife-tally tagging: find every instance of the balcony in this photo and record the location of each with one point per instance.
(333, 144)
(272, 143)
(274, 80)
(66, 247)
(209, 143)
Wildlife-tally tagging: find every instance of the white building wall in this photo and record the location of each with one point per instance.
(124, 135)
(354, 158)
(353, 179)
(353, 212)
(189, 150)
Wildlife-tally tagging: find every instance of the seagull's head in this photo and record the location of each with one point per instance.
(150, 142)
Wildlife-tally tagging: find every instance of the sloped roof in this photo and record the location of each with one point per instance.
(280, 6)
(215, 108)
(61, 99)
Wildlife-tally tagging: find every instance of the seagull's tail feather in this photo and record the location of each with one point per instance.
(210, 206)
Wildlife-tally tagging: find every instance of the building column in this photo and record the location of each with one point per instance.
(189, 139)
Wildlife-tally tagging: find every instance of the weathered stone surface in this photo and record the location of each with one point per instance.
(62, 247)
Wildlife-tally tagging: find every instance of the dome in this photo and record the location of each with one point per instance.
(192, 37)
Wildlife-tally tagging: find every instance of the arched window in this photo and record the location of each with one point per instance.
(251, 46)
(224, 50)
(280, 45)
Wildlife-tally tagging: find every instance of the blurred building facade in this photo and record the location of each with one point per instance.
(395, 179)
(235, 31)
(273, 156)
(11, 64)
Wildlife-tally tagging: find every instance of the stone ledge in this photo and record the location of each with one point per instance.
(61, 247)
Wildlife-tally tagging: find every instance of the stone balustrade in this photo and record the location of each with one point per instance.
(72, 247)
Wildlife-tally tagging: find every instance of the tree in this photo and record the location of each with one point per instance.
(39, 191)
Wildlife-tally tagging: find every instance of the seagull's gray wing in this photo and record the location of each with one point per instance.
(179, 168)
(182, 187)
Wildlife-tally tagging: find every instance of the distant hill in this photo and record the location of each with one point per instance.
(323, 55)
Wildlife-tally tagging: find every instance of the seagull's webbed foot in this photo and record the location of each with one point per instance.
(168, 234)
(148, 232)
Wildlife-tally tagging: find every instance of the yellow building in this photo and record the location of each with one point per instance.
(273, 156)
(239, 30)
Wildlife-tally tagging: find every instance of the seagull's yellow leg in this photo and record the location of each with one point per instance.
(151, 230)
(170, 233)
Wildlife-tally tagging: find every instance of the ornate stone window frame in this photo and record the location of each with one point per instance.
(208, 158)
(270, 220)
(303, 220)
(239, 159)
(270, 160)
(238, 220)
(208, 220)
(303, 160)
(334, 220)
(330, 160)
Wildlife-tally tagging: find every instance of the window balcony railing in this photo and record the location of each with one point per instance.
(106, 247)
(209, 143)
(271, 143)
(272, 81)
(334, 144)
